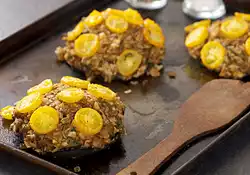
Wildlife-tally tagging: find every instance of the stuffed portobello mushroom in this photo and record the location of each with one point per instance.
(114, 44)
(71, 114)
(222, 46)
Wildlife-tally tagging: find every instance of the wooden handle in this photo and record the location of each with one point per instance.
(150, 162)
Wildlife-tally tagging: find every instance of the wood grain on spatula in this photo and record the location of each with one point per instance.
(215, 105)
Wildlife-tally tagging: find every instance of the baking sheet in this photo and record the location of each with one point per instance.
(215, 160)
(150, 111)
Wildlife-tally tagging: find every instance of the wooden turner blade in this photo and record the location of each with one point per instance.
(217, 104)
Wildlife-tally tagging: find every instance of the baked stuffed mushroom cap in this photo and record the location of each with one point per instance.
(222, 46)
(114, 44)
(71, 114)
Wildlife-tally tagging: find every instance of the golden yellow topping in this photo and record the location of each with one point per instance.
(71, 95)
(94, 18)
(100, 91)
(247, 46)
(76, 82)
(196, 37)
(128, 62)
(7, 112)
(110, 11)
(153, 33)
(88, 121)
(116, 24)
(29, 103)
(43, 88)
(133, 16)
(205, 23)
(72, 35)
(213, 54)
(233, 28)
(44, 120)
(244, 16)
(87, 45)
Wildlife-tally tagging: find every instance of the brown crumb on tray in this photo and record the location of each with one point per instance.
(171, 74)
(154, 72)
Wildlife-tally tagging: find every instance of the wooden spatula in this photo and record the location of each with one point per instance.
(215, 105)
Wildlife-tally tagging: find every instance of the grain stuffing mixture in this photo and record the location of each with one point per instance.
(114, 44)
(65, 115)
(222, 46)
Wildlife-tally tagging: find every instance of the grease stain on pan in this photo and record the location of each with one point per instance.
(20, 79)
(196, 71)
(144, 109)
(159, 128)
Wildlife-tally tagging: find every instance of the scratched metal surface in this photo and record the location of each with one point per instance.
(150, 111)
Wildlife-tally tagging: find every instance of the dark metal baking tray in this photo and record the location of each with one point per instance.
(150, 111)
(227, 154)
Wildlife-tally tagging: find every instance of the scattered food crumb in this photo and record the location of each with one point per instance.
(128, 91)
(154, 72)
(171, 74)
(77, 169)
(134, 82)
